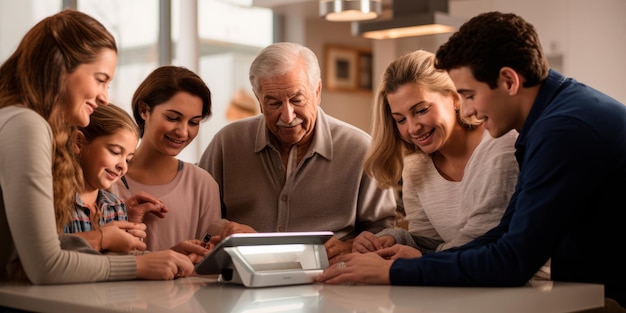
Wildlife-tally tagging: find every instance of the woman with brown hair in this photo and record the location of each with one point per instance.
(58, 75)
(169, 106)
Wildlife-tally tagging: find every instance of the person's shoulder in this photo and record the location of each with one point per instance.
(199, 174)
(23, 120)
(417, 169)
(416, 161)
(236, 127)
(197, 180)
(338, 126)
(496, 148)
(506, 140)
(579, 103)
(22, 114)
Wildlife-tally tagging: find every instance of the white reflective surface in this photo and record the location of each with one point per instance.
(204, 294)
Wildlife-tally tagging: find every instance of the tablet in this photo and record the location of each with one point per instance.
(218, 259)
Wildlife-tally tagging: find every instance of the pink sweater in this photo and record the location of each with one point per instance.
(193, 200)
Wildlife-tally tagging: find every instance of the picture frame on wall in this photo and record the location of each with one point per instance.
(341, 68)
(347, 69)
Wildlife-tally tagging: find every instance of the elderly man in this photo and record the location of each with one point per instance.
(294, 168)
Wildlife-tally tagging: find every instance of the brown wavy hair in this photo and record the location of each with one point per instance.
(34, 76)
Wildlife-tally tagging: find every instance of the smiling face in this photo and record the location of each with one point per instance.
(289, 106)
(87, 87)
(494, 106)
(423, 117)
(173, 124)
(105, 159)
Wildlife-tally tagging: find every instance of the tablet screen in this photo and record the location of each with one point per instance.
(267, 251)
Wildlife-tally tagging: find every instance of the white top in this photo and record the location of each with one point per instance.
(458, 212)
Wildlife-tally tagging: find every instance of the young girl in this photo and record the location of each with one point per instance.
(168, 106)
(104, 148)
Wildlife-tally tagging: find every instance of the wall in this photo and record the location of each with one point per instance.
(136, 38)
(223, 73)
(19, 17)
(352, 107)
(584, 35)
(596, 49)
(584, 32)
(355, 107)
(315, 33)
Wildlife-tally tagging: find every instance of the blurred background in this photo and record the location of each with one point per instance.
(219, 38)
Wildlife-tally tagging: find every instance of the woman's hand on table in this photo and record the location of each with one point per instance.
(163, 265)
(358, 268)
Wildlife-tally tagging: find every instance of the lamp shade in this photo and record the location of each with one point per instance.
(350, 10)
(410, 18)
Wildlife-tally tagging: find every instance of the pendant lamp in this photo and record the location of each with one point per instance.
(350, 10)
(410, 18)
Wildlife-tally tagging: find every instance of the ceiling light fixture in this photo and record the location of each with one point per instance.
(410, 18)
(350, 10)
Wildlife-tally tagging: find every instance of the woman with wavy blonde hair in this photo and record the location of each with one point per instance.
(456, 180)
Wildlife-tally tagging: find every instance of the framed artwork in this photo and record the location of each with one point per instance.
(341, 68)
(347, 69)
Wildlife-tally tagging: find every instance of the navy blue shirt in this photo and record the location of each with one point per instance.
(569, 203)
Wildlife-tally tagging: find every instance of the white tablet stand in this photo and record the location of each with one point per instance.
(268, 259)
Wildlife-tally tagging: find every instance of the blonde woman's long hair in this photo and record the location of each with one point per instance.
(384, 159)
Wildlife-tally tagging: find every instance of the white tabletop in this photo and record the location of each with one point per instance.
(204, 294)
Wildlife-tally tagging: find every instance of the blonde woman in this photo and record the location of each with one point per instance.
(456, 178)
